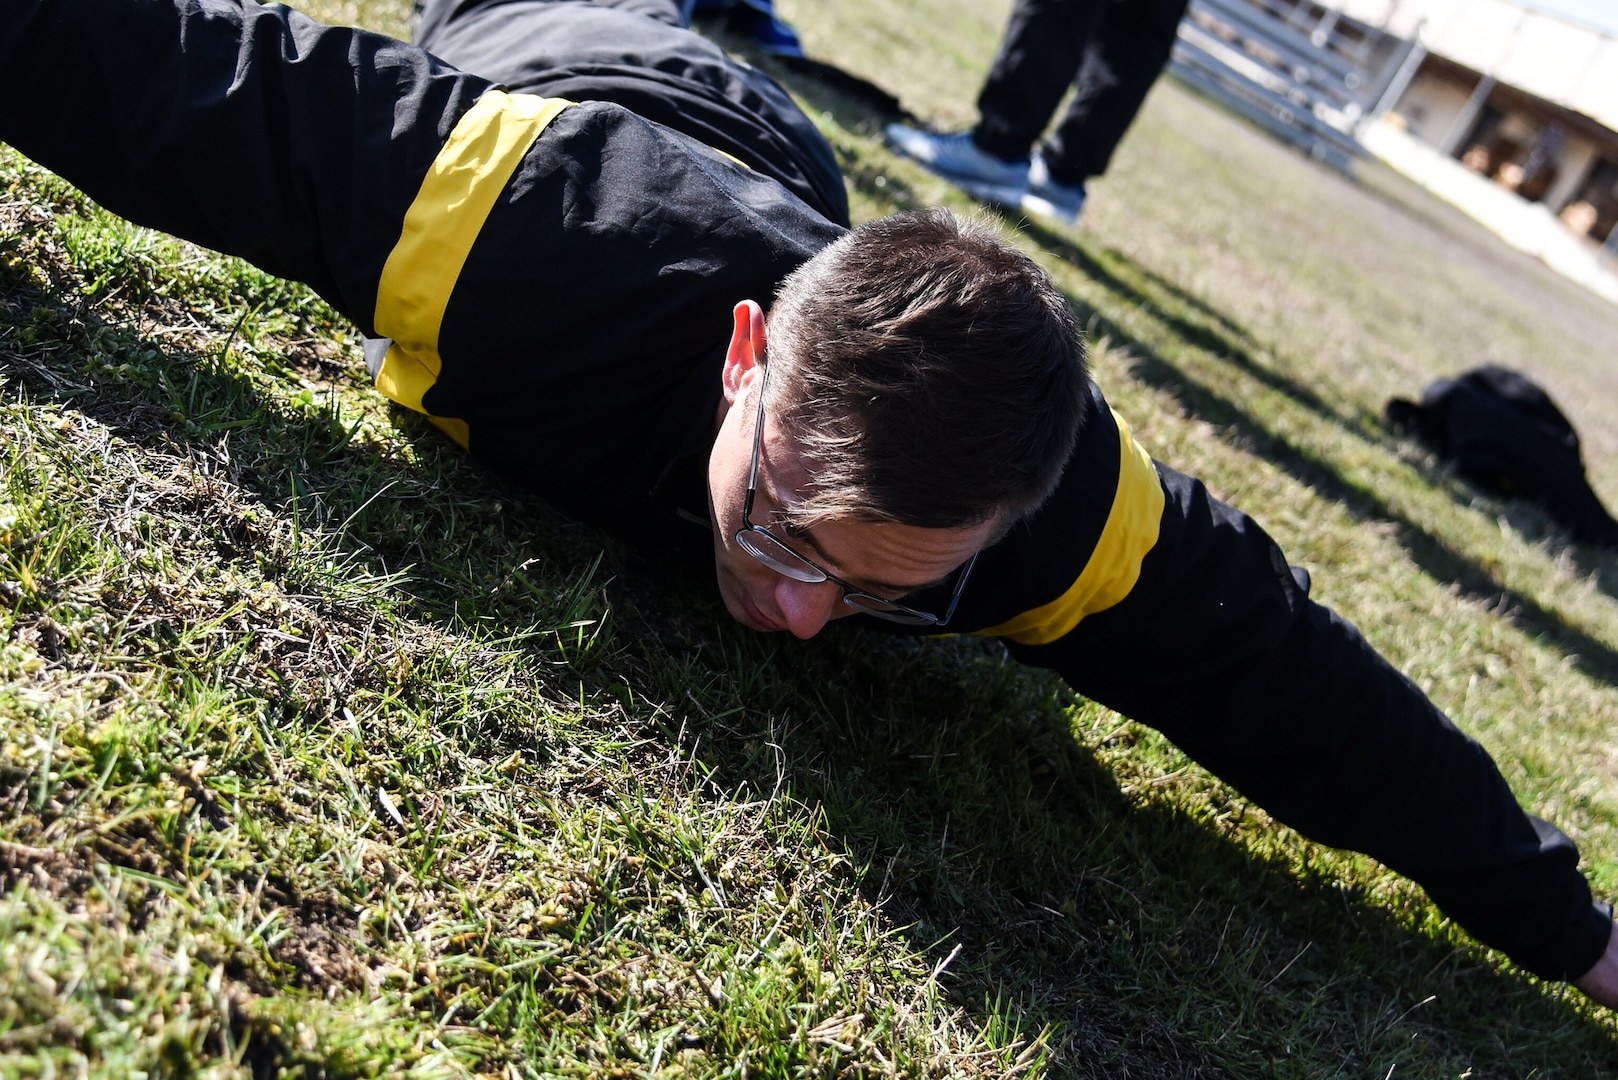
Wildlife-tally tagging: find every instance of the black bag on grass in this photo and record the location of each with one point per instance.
(1504, 434)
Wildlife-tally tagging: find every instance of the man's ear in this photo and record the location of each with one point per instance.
(746, 350)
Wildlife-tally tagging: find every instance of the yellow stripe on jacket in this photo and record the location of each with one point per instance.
(1114, 566)
(456, 198)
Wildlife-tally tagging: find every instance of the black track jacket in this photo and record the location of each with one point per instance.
(557, 281)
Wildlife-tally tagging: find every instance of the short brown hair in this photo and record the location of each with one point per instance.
(931, 374)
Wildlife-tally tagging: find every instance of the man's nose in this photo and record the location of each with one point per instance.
(807, 607)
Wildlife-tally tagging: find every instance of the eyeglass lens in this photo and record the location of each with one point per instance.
(778, 557)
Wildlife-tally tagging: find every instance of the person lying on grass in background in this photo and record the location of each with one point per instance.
(562, 249)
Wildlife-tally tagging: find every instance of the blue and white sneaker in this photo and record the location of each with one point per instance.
(1051, 198)
(956, 158)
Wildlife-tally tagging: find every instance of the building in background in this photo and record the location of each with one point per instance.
(1505, 110)
(1523, 97)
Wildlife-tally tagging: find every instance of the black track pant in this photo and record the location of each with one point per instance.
(1109, 51)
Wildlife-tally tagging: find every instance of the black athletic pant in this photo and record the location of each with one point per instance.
(1110, 51)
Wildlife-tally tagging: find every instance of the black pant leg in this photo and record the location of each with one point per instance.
(1039, 56)
(1124, 57)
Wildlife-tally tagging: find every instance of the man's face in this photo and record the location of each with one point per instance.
(881, 558)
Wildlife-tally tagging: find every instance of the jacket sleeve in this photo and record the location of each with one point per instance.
(250, 130)
(1193, 622)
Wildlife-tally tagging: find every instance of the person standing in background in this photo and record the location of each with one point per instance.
(1109, 51)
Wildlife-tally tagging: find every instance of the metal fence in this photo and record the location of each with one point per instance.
(1301, 70)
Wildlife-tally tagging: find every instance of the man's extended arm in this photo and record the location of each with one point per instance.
(1152, 597)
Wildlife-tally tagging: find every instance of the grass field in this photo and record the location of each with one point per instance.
(325, 754)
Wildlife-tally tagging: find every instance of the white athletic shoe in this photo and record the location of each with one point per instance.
(957, 159)
(1048, 197)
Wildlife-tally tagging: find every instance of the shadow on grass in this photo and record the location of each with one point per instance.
(1086, 901)
(1525, 518)
(1149, 941)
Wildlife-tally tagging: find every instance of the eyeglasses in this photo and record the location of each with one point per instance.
(774, 552)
